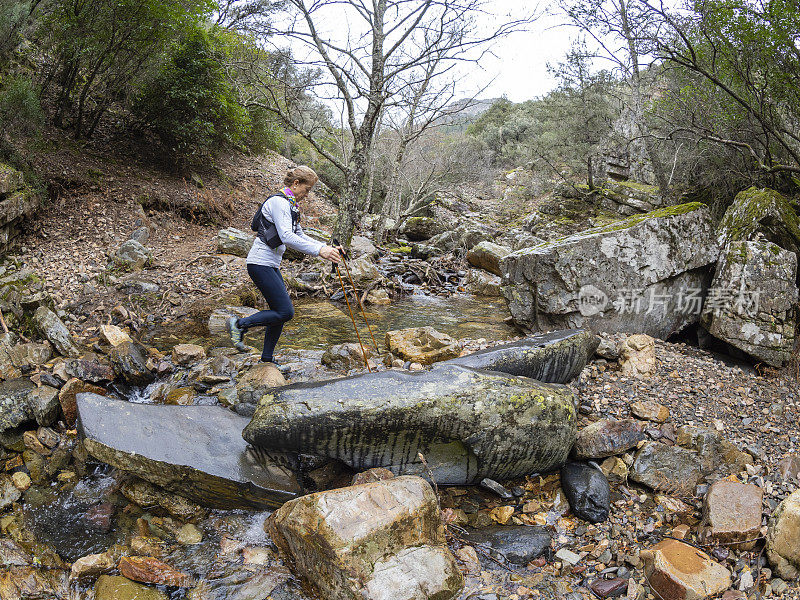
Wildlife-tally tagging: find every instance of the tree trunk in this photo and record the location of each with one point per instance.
(391, 207)
(638, 105)
(349, 205)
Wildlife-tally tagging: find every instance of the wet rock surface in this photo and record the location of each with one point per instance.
(130, 362)
(114, 587)
(740, 426)
(556, 357)
(517, 544)
(468, 424)
(587, 491)
(257, 381)
(196, 451)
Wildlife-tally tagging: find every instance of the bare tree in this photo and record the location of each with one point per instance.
(424, 105)
(389, 49)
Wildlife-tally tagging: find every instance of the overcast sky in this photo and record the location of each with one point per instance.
(517, 67)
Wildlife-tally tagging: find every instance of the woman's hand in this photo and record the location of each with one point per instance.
(332, 254)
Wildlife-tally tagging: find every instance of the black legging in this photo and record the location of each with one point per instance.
(269, 282)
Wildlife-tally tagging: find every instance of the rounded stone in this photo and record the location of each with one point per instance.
(21, 481)
(114, 587)
(783, 537)
(189, 534)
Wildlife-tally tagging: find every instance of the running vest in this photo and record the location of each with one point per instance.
(265, 229)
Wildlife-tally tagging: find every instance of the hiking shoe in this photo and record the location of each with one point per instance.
(237, 334)
(284, 369)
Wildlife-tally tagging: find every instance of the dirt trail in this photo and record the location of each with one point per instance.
(97, 200)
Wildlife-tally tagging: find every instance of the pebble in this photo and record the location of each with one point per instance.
(21, 481)
(493, 486)
(568, 556)
(189, 534)
(609, 588)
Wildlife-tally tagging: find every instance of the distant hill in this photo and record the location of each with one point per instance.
(472, 109)
(463, 112)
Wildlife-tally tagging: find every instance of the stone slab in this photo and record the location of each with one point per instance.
(194, 451)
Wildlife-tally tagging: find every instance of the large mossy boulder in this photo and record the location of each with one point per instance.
(16, 203)
(763, 211)
(129, 360)
(14, 407)
(418, 229)
(487, 256)
(635, 275)
(10, 179)
(629, 197)
(751, 301)
(374, 541)
(467, 423)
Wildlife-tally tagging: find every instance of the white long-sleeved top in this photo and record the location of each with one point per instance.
(278, 210)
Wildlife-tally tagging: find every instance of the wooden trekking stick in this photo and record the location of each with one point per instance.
(355, 293)
(350, 310)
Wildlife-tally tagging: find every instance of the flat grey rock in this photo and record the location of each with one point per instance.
(195, 451)
(636, 275)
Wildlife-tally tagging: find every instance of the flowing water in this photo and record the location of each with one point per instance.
(320, 324)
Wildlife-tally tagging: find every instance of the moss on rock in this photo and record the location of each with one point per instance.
(469, 424)
(763, 211)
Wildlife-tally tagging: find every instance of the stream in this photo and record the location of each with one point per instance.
(320, 324)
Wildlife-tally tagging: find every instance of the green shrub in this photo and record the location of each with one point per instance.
(303, 153)
(191, 105)
(264, 132)
(20, 109)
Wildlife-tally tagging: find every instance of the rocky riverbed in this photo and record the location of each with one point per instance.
(125, 473)
(71, 525)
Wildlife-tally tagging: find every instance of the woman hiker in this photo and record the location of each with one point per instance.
(279, 227)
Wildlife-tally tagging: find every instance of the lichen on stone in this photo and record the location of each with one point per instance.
(766, 211)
